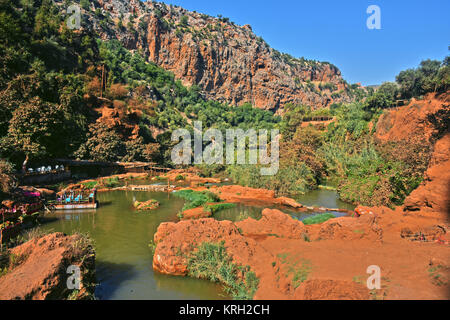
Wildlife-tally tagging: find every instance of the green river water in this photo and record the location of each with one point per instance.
(121, 236)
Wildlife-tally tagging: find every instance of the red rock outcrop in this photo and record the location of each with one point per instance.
(196, 213)
(40, 268)
(272, 223)
(228, 62)
(348, 228)
(240, 194)
(336, 253)
(423, 122)
(411, 123)
(434, 192)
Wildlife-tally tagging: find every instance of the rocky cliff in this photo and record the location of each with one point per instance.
(228, 62)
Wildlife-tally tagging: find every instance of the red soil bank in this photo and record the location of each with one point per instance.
(41, 270)
(433, 195)
(196, 213)
(346, 248)
(247, 195)
(339, 252)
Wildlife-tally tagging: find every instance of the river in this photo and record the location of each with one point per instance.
(121, 236)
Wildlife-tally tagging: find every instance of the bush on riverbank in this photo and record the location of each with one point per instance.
(196, 199)
(111, 182)
(320, 218)
(212, 262)
(290, 180)
(90, 184)
(367, 172)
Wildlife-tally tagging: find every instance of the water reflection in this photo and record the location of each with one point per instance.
(123, 259)
(122, 234)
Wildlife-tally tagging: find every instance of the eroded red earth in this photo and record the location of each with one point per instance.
(410, 244)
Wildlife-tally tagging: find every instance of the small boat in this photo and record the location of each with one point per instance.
(75, 206)
(75, 202)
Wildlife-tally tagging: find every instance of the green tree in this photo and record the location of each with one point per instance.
(378, 101)
(103, 144)
(443, 78)
(7, 180)
(85, 4)
(389, 89)
(47, 20)
(184, 21)
(428, 72)
(37, 129)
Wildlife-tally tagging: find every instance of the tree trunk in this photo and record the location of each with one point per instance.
(24, 165)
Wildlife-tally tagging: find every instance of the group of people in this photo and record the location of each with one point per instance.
(73, 196)
(45, 169)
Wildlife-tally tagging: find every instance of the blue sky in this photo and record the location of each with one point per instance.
(336, 31)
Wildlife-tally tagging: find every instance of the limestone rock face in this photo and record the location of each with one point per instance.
(228, 62)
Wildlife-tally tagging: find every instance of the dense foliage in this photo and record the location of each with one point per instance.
(212, 262)
(430, 76)
(319, 218)
(68, 94)
(196, 199)
(343, 153)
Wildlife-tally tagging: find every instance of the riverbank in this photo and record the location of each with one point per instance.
(37, 269)
(289, 259)
(326, 261)
(180, 179)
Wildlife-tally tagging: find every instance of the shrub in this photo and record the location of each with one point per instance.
(117, 91)
(184, 21)
(119, 105)
(179, 177)
(298, 272)
(196, 199)
(85, 4)
(212, 262)
(90, 184)
(320, 218)
(111, 182)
